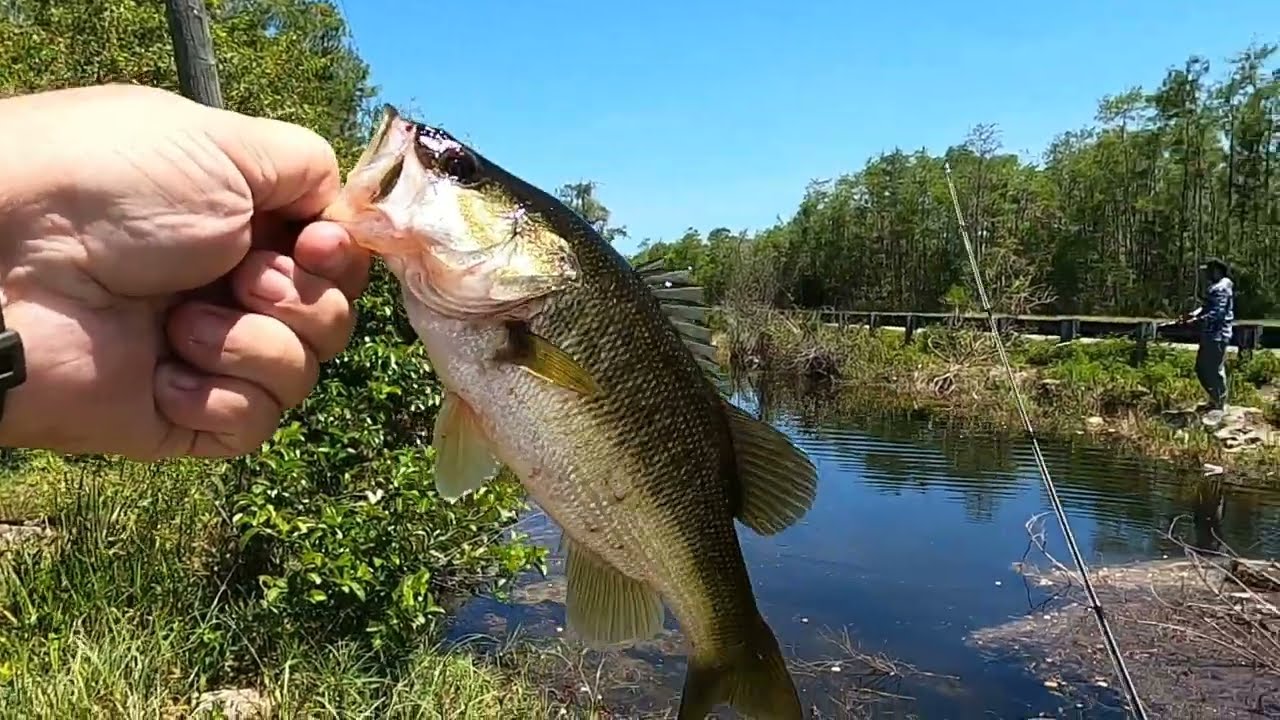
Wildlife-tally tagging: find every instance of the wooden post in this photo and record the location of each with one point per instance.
(873, 321)
(1068, 329)
(908, 329)
(1144, 333)
(193, 51)
(1250, 339)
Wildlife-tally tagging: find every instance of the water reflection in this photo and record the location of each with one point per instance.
(910, 545)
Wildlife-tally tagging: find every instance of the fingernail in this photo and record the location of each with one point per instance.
(274, 286)
(209, 328)
(183, 381)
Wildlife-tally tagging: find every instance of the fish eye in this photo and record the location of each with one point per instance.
(459, 164)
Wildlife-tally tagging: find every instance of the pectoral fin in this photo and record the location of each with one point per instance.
(540, 357)
(777, 481)
(602, 605)
(464, 458)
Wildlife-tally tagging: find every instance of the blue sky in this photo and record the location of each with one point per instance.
(709, 113)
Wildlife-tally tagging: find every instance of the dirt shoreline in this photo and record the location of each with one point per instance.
(1198, 642)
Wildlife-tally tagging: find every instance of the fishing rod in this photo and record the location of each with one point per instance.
(1095, 603)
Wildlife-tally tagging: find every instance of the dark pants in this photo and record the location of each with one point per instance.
(1211, 360)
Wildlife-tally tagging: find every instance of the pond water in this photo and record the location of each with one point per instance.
(909, 547)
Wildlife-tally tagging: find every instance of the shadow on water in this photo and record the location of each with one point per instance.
(909, 548)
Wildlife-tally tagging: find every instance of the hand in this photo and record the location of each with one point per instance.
(148, 262)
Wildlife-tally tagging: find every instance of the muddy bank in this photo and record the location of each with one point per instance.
(1200, 636)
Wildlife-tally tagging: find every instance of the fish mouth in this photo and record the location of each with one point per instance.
(393, 133)
(376, 174)
(390, 121)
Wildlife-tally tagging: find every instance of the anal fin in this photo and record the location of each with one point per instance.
(464, 457)
(777, 481)
(602, 605)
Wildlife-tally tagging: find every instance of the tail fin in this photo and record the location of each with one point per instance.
(754, 681)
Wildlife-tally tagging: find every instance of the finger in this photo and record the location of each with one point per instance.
(229, 416)
(289, 169)
(325, 249)
(311, 306)
(257, 348)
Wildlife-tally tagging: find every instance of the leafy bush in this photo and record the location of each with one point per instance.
(1102, 379)
(1261, 369)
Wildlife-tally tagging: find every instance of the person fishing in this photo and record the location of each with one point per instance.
(1215, 317)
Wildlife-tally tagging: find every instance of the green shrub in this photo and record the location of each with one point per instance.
(1261, 369)
(338, 514)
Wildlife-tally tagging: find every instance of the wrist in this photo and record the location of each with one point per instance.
(15, 402)
(33, 416)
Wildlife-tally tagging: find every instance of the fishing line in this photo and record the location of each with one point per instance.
(1095, 604)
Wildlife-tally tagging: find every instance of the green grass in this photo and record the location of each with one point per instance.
(130, 613)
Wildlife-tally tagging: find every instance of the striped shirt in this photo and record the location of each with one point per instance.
(1219, 311)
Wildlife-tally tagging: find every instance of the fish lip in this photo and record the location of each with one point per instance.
(379, 138)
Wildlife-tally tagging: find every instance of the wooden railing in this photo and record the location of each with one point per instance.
(685, 304)
(1247, 335)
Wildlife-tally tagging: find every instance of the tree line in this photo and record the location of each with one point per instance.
(1114, 218)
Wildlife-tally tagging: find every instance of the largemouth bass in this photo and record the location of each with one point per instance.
(558, 362)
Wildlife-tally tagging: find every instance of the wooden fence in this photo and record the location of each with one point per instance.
(1247, 335)
(685, 304)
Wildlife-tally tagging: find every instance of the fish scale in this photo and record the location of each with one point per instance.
(560, 363)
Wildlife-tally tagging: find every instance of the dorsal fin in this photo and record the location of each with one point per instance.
(684, 303)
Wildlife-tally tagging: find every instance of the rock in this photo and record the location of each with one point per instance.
(234, 704)
(1210, 469)
(12, 534)
(1240, 428)
(1236, 437)
(1241, 413)
(1048, 388)
(1093, 422)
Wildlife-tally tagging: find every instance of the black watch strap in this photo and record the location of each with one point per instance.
(13, 362)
